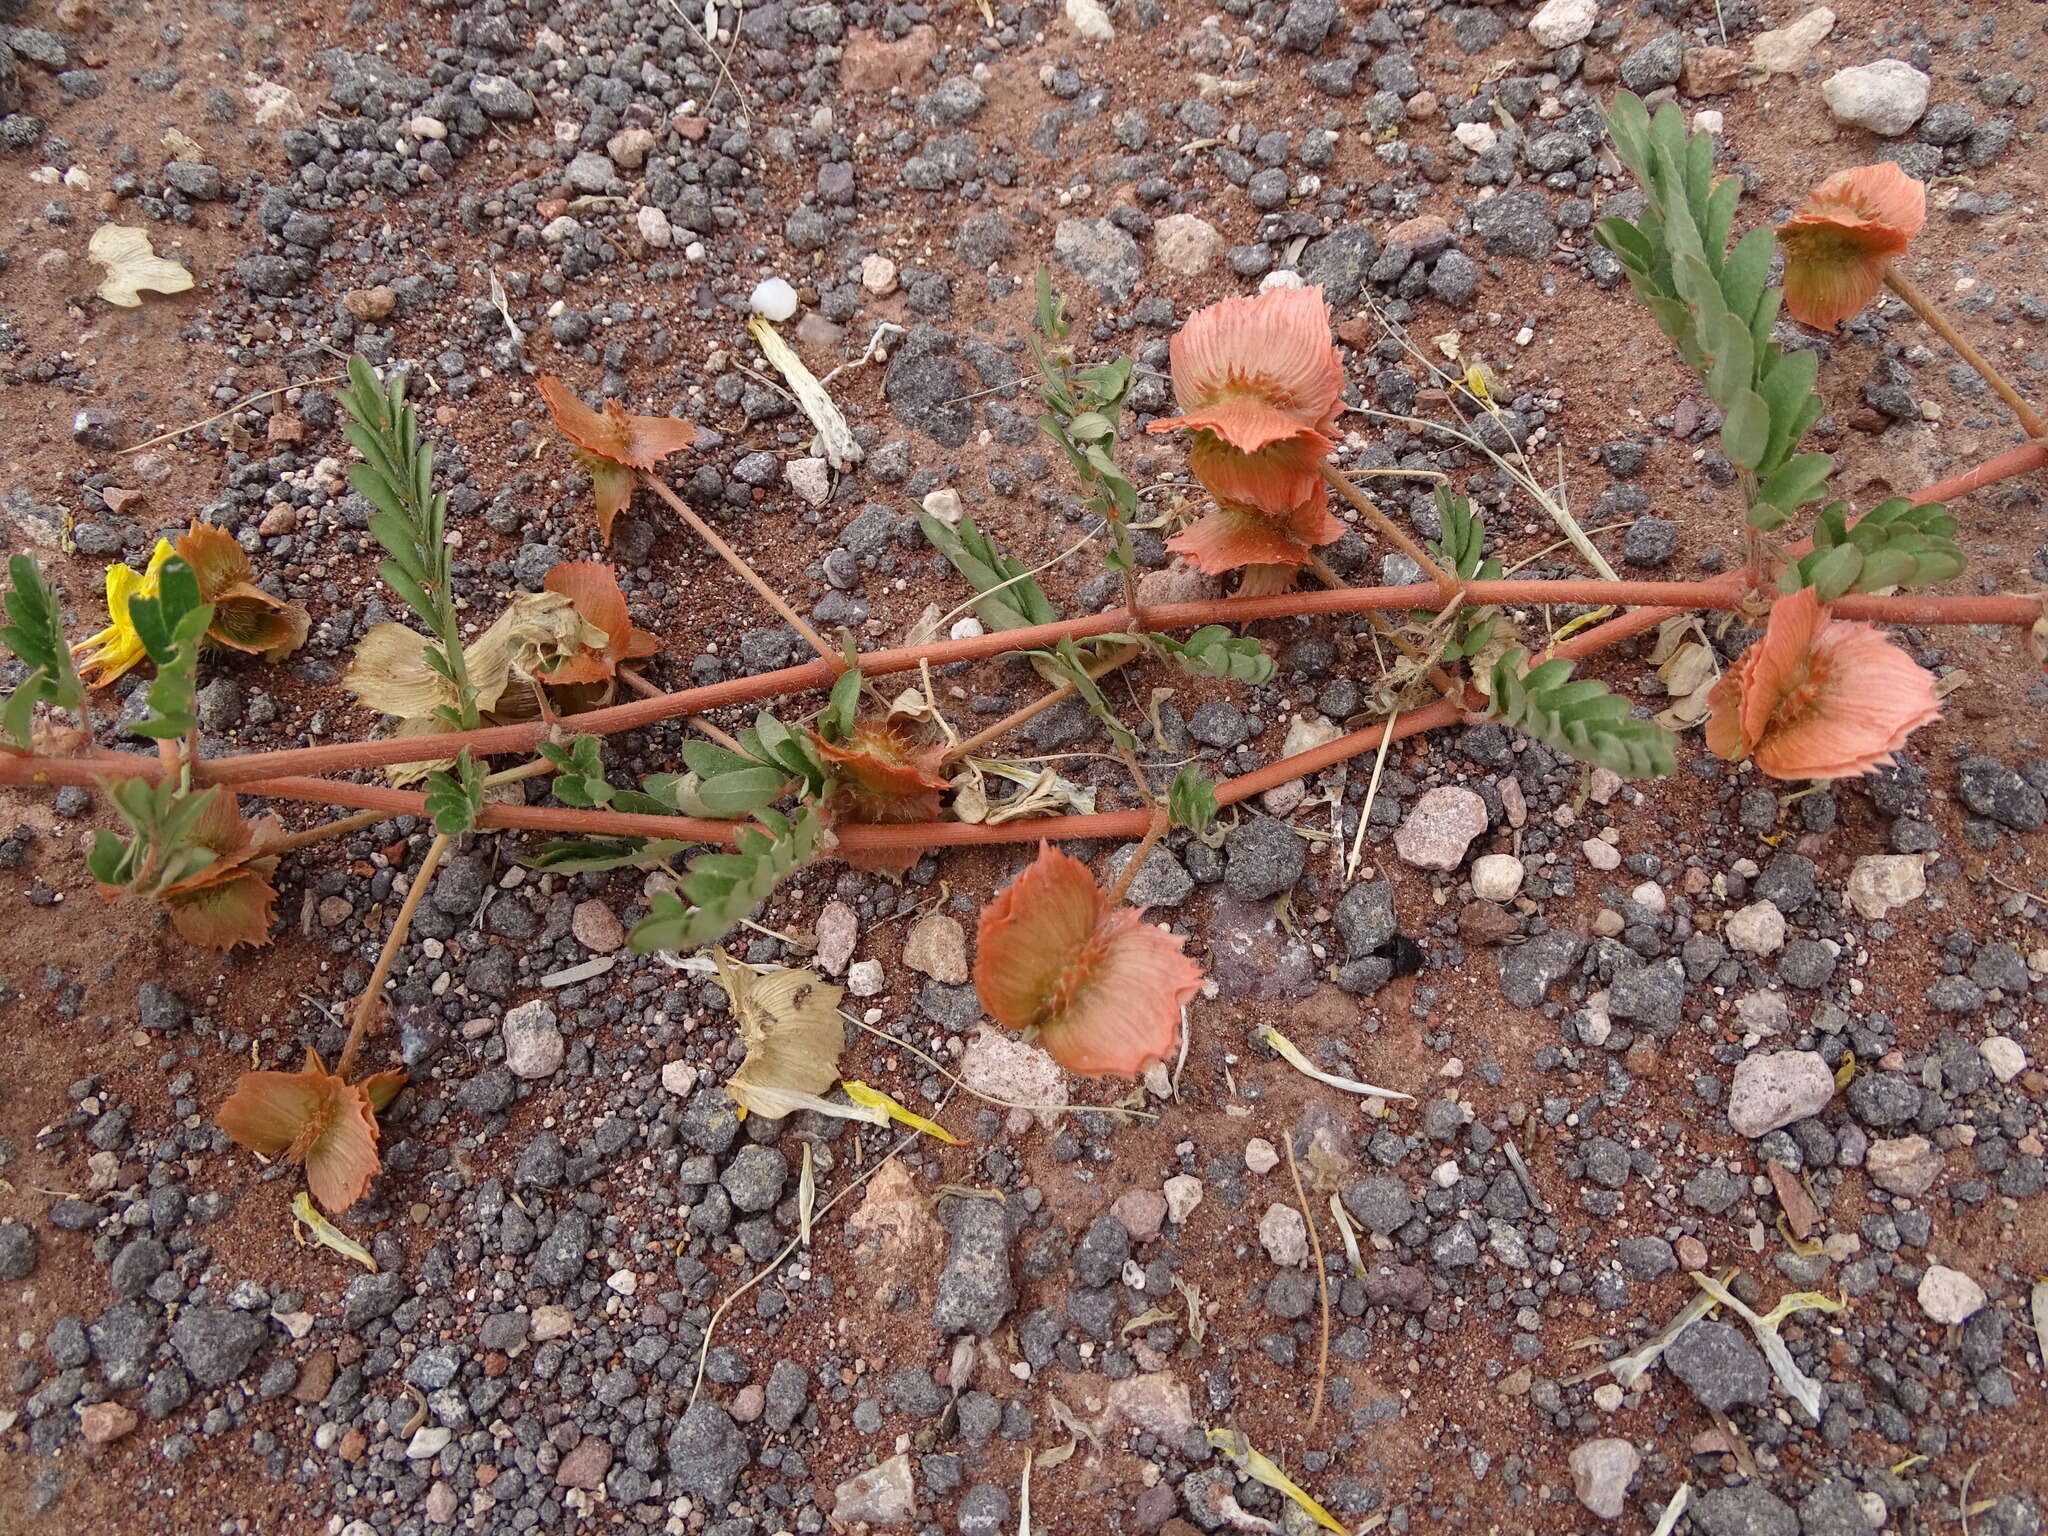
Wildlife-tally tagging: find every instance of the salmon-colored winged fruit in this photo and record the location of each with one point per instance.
(1103, 988)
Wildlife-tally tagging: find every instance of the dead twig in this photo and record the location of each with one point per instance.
(1322, 1285)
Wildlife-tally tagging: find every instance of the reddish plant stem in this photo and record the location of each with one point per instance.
(733, 558)
(1930, 312)
(1668, 596)
(1391, 531)
(2006, 466)
(372, 1002)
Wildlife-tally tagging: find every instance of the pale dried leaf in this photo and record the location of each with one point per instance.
(389, 671)
(1668, 1522)
(1291, 1054)
(1048, 1459)
(133, 266)
(835, 437)
(806, 1195)
(1217, 89)
(1261, 1468)
(970, 794)
(790, 1023)
(2038, 1304)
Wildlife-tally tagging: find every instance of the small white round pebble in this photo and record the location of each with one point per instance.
(772, 299)
(967, 628)
(1496, 876)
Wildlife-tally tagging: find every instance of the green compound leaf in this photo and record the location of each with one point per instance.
(1578, 717)
(722, 888)
(579, 772)
(1893, 547)
(170, 626)
(1213, 651)
(455, 800)
(1462, 547)
(35, 633)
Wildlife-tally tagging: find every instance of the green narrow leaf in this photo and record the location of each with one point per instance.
(837, 720)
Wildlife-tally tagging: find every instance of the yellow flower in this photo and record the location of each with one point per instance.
(105, 656)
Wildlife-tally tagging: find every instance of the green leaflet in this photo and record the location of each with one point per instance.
(579, 772)
(455, 801)
(170, 626)
(722, 888)
(163, 818)
(1715, 303)
(840, 710)
(1578, 717)
(1213, 651)
(35, 633)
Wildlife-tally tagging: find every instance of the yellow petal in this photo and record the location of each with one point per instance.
(1261, 1468)
(874, 1098)
(327, 1234)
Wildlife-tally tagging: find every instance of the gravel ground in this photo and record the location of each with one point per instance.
(1704, 1025)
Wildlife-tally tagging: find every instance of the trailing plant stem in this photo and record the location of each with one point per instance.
(970, 745)
(1668, 597)
(1153, 832)
(733, 558)
(2029, 419)
(1446, 583)
(372, 999)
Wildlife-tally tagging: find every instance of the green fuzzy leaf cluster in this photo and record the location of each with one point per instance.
(35, 633)
(1578, 717)
(1462, 548)
(842, 709)
(1191, 800)
(163, 818)
(455, 801)
(1892, 547)
(719, 889)
(410, 521)
(1009, 598)
(772, 758)
(1715, 303)
(170, 627)
(1213, 651)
